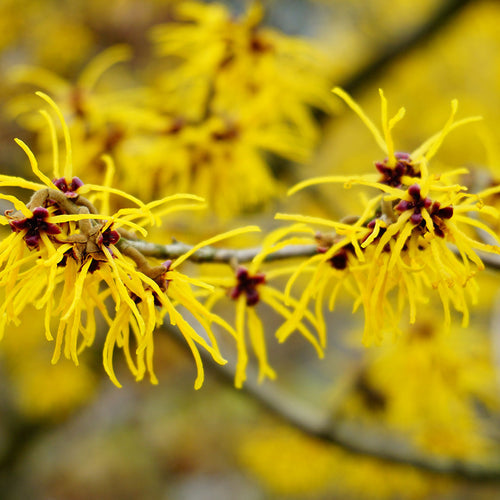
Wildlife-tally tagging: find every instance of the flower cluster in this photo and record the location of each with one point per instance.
(250, 91)
(68, 258)
(73, 257)
(230, 62)
(414, 237)
(441, 378)
(249, 287)
(74, 251)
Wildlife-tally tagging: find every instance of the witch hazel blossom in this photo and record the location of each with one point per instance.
(32, 227)
(414, 238)
(72, 257)
(71, 261)
(251, 288)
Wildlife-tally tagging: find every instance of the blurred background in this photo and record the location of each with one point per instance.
(163, 102)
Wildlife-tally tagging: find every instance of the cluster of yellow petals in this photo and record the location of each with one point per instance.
(73, 265)
(413, 238)
(440, 377)
(250, 286)
(250, 91)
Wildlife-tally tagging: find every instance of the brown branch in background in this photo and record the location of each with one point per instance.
(321, 425)
(490, 260)
(392, 52)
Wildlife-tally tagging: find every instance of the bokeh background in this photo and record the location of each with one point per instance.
(68, 433)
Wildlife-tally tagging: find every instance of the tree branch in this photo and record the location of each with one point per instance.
(380, 445)
(490, 260)
(219, 255)
(243, 255)
(391, 53)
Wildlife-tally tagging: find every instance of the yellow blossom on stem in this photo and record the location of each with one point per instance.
(70, 258)
(219, 159)
(241, 65)
(99, 119)
(412, 238)
(248, 288)
(251, 90)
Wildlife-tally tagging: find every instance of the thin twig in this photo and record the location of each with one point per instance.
(495, 335)
(219, 255)
(243, 255)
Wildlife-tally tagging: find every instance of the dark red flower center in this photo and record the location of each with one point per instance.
(68, 188)
(391, 176)
(340, 259)
(438, 215)
(34, 226)
(247, 284)
(108, 237)
(417, 204)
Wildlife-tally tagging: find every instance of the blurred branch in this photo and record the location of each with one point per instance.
(21, 434)
(490, 260)
(322, 425)
(495, 335)
(391, 53)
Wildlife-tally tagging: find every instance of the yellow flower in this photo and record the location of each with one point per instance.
(441, 378)
(42, 390)
(399, 246)
(280, 459)
(249, 287)
(99, 119)
(219, 159)
(244, 65)
(72, 260)
(250, 90)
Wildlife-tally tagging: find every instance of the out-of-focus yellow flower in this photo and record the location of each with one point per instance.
(399, 246)
(288, 463)
(250, 90)
(244, 65)
(43, 28)
(78, 98)
(282, 460)
(41, 390)
(219, 159)
(98, 115)
(441, 380)
(250, 93)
